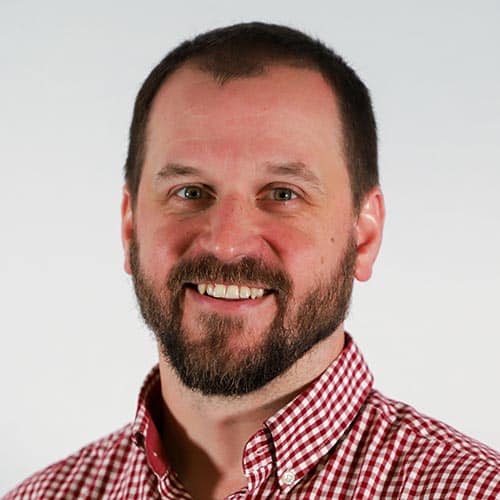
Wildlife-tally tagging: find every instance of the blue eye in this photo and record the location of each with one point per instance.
(190, 193)
(283, 194)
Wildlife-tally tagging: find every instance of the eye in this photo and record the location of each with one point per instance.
(190, 193)
(282, 194)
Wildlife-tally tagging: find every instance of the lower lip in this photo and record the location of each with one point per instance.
(226, 305)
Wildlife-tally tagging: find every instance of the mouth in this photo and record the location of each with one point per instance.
(230, 291)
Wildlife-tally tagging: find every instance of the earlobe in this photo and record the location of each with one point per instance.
(369, 228)
(127, 229)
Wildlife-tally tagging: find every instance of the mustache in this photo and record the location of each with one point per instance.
(209, 269)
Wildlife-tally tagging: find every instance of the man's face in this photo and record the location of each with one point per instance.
(242, 242)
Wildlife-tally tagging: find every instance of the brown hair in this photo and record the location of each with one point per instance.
(245, 50)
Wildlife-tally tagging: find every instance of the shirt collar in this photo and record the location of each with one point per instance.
(308, 428)
(302, 432)
(145, 432)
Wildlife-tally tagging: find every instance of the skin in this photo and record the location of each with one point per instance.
(235, 138)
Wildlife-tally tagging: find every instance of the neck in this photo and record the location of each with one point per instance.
(210, 432)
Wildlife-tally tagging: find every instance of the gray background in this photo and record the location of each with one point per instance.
(73, 351)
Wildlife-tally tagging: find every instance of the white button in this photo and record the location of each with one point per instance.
(288, 477)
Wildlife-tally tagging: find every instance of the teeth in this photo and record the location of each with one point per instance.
(231, 292)
(219, 291)
(256, 293)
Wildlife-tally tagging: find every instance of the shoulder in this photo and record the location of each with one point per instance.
(88, 470)
(427, 431)
(432, 455)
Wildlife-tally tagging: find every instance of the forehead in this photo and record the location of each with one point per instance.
(285, 111)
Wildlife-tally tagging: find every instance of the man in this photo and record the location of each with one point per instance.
(251, 203)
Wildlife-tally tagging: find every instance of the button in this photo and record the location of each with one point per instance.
(288, 477)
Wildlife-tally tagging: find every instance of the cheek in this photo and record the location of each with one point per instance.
(162, 243)
(312, 250)
(304, 250)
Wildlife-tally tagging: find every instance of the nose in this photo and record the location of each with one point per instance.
(232, 230)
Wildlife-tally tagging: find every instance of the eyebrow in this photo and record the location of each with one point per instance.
(297, 170)
(294, 169)
(176, 170)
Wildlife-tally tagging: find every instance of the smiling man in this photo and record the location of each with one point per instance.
(251, 204)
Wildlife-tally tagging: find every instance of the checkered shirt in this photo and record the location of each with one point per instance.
(338, 439)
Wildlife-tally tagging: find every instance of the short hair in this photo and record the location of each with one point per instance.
(246, 50)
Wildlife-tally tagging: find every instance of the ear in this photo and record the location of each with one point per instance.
(127, 230)
(369, 227)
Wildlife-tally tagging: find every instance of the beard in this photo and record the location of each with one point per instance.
(207, 364)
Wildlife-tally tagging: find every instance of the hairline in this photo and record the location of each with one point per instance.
(196, 62)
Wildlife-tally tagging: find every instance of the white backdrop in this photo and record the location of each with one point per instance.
(73, 351)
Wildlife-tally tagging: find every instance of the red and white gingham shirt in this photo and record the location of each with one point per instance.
(339, 438)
